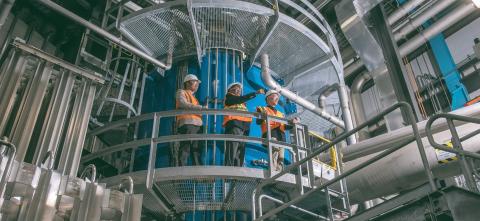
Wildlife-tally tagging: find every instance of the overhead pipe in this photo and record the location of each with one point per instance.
(445, 22)
(343, 97)
(107, 35)
(268, 80)
(419, 20)
(404, 10)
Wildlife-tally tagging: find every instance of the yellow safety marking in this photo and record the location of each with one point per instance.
(449, 159)
(333, 152)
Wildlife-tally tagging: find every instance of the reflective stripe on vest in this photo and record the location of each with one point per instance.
(273, 124)
(239, 107)
(191, 99)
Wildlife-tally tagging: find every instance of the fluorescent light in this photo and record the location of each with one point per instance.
(477, 3)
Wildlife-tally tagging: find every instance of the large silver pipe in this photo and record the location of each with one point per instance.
(404, 10)
(385, 141)
(343, 97)
(445, 22)
(268, 80)
(107, 35)
(403, 170)
(413, 24)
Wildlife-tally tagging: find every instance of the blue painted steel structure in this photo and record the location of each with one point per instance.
(448, 68)
(219, 69)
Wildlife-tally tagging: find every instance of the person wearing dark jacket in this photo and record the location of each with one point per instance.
(237, 125)
(277, 129)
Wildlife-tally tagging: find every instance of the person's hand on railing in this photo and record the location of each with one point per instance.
(260, 91)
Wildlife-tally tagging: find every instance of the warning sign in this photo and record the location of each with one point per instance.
(444, 157)
(323, 170)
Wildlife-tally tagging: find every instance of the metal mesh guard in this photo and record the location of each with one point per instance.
(209, 194)
(161, 30)
(230, 28)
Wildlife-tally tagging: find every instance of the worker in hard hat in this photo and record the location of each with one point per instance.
(189, 123)
(237, 125)
(277, 129)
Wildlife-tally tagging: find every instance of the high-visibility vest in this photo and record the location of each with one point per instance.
(191, 99)
(239, 107)
(273, 124)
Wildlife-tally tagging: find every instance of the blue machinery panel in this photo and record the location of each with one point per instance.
(219, 69)
(448, 68)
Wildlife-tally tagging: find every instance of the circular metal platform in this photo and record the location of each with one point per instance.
(196, 188)
(305, 60)
(182, 28)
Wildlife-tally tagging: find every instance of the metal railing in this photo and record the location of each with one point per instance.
(464, 156)
(298, 148)
(417, 138)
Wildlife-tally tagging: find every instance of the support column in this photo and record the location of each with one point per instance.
(396, 70)
(448, 70)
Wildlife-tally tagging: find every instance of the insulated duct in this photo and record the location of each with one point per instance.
(270, 82)
(444, 23)
(350, 16)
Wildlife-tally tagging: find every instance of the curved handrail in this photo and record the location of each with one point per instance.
(130, 184)
(183, 137)
(48, 155)
(457, 148)
(174, 113)
(411, 119)
(431, 140)
(93, 172)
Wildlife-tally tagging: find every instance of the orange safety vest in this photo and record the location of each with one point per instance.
(239, 107)
(273, 124)
(192, 99)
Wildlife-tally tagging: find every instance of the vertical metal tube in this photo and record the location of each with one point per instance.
(215, 105)
(55, 120)
(153, 152)
(240, 63)
(9, 86)
(209, 64)
(86, 106)
(29, 110)
(347, 116)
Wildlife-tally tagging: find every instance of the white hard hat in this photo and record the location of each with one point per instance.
(191, 77)
(233, 84)
(270, 92)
